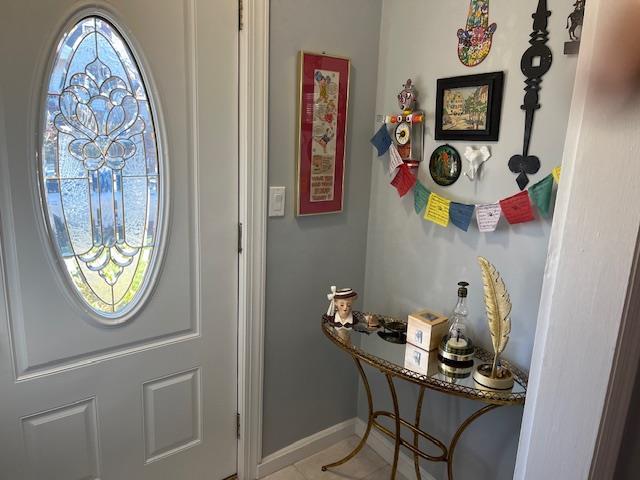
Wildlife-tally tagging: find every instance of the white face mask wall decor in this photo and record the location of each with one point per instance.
(475, 156)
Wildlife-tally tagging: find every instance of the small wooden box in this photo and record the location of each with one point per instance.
(426, 329)
(420, 361)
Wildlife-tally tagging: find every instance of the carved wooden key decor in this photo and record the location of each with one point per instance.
(536, 61)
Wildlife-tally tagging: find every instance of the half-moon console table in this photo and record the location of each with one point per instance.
(400, 361)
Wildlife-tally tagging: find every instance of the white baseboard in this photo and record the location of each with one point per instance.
(384, 447)
(324, 439)
(306, 447)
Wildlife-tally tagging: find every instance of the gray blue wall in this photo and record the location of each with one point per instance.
(409, 263)
(412, 263)
(309, 385)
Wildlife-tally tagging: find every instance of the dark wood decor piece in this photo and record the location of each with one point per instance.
(535, 62)
(574, 26)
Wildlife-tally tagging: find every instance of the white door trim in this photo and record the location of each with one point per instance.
(578, 395)
(253, 136)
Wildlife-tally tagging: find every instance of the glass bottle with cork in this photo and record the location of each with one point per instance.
(455, 354)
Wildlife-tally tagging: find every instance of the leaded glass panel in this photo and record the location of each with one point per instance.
(100, 170)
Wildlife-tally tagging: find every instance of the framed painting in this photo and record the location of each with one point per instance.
(445, 165)
(469, 107)
(322, 128)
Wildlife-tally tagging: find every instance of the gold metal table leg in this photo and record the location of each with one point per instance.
(396, 413)
(416, 435)
(367, 388)
(461, 429)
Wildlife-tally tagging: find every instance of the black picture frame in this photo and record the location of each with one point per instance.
(495, 82)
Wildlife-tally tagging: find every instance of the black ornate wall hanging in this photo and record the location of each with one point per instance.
(535, 62)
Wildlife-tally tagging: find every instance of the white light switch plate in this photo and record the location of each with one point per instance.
(276, 201)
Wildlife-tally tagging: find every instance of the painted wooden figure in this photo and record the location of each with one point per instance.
(341, 306)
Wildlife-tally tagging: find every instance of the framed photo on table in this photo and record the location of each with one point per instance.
(322, 129)
(469, 107)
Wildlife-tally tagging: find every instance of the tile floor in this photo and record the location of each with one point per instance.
(367, 465)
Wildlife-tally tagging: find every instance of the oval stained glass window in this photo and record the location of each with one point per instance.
(100, 168)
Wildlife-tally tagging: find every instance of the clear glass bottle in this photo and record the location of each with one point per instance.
(455, 354)
(458, 337)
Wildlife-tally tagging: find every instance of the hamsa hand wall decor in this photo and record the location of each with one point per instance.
(474, 41)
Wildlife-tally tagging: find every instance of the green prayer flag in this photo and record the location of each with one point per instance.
(540, 193)
(420, 197)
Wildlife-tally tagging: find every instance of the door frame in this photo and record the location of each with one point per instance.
(578, 399)
(253, 156)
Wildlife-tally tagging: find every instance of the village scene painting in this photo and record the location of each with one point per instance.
(465, 108)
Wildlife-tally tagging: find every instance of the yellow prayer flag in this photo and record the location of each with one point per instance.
(437, 210)
(556, 174)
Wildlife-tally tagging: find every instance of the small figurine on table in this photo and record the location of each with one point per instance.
(341, 307)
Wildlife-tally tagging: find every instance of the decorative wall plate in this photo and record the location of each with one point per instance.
(445, 165)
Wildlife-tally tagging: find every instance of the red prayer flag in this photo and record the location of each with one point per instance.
(404, 180)
(517, 209)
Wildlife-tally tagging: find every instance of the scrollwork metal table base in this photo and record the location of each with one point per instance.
(391, 371)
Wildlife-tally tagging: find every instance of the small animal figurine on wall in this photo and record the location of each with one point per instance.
(476, 157)
(574, 25)
(536, 61)
(474, 41)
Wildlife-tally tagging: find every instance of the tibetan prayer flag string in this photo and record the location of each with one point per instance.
(441, 211)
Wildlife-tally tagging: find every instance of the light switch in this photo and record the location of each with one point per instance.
(276, 201)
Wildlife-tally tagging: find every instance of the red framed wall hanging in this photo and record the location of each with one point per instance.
(322, 131)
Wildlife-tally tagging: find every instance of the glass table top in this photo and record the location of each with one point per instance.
(419, 366)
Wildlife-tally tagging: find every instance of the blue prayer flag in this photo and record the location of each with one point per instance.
(461, 214)
(381, 140)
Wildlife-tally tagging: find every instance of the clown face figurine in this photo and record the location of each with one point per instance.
(407, 97)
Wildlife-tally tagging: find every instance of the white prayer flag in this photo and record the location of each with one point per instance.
(395, 160)
(488, 216)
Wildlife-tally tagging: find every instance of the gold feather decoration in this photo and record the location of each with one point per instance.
(498, 303)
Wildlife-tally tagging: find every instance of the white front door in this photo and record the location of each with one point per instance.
(118, 258)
